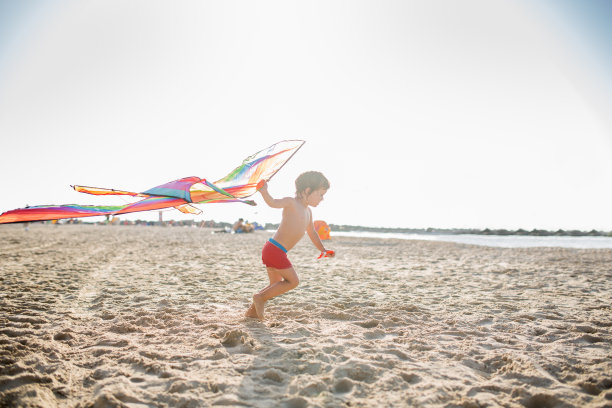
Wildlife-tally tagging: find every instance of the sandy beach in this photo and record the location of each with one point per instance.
(101, 316)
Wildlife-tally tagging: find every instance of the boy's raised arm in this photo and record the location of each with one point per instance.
(273, 202)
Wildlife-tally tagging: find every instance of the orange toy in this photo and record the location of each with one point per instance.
(322, 229)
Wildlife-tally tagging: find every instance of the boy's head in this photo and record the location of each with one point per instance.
(310, 181)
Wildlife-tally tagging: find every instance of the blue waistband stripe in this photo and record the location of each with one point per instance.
(277, 244)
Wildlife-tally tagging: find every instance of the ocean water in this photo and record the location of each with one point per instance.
(506, 241)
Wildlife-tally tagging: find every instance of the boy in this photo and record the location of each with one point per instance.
(297, 218)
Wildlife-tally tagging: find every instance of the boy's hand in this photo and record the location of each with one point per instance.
(328, 253)
(262, 185)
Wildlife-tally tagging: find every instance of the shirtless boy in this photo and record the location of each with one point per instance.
(297, 219)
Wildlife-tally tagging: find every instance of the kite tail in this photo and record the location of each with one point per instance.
(48, 212)
(59, 212)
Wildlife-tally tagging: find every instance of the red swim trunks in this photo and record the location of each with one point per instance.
(274, 255)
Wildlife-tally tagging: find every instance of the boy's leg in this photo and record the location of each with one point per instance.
(274, 277)
(289, 281)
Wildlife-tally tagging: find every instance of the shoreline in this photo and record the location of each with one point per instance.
(349, 228)
(576, 241)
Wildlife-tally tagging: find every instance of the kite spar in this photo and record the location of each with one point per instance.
(239, 184)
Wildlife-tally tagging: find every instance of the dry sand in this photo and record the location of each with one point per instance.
(152, 317)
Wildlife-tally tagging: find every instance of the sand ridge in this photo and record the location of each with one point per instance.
(100, 316)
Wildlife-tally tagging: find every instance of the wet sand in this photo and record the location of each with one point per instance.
(101, 316)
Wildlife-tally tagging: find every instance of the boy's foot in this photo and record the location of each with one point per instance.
(251, 312)
(258, 302)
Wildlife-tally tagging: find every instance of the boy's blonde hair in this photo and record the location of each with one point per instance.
(310, 179)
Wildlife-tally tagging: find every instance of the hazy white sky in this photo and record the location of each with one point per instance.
(441, 113)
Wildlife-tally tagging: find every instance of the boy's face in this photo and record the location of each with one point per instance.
(315, 197)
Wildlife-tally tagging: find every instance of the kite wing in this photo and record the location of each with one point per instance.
(243, 180)
(239, 184)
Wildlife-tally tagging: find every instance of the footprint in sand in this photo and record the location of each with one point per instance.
(591, 386)
(297, 402)
(358, 372)
(374, 334)
(541, 401)
(233, 338)
(63, 336)
(238, 341)
(589, 339)
(368, 324)
(343, 386)
(410, 378)
(274, 375)
(313, 389)
(218, 355)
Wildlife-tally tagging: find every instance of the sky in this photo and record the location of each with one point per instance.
(444, 114)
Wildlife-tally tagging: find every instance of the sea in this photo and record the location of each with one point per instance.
(503, 241)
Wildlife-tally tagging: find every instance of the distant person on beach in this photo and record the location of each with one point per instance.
(297, 219)
(237, 227)
(242, 226)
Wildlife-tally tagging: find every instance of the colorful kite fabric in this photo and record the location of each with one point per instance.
(239, 184)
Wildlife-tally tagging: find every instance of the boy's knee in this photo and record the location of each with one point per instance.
(295, 283)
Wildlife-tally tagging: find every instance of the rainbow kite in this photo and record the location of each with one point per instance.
(239, 184)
